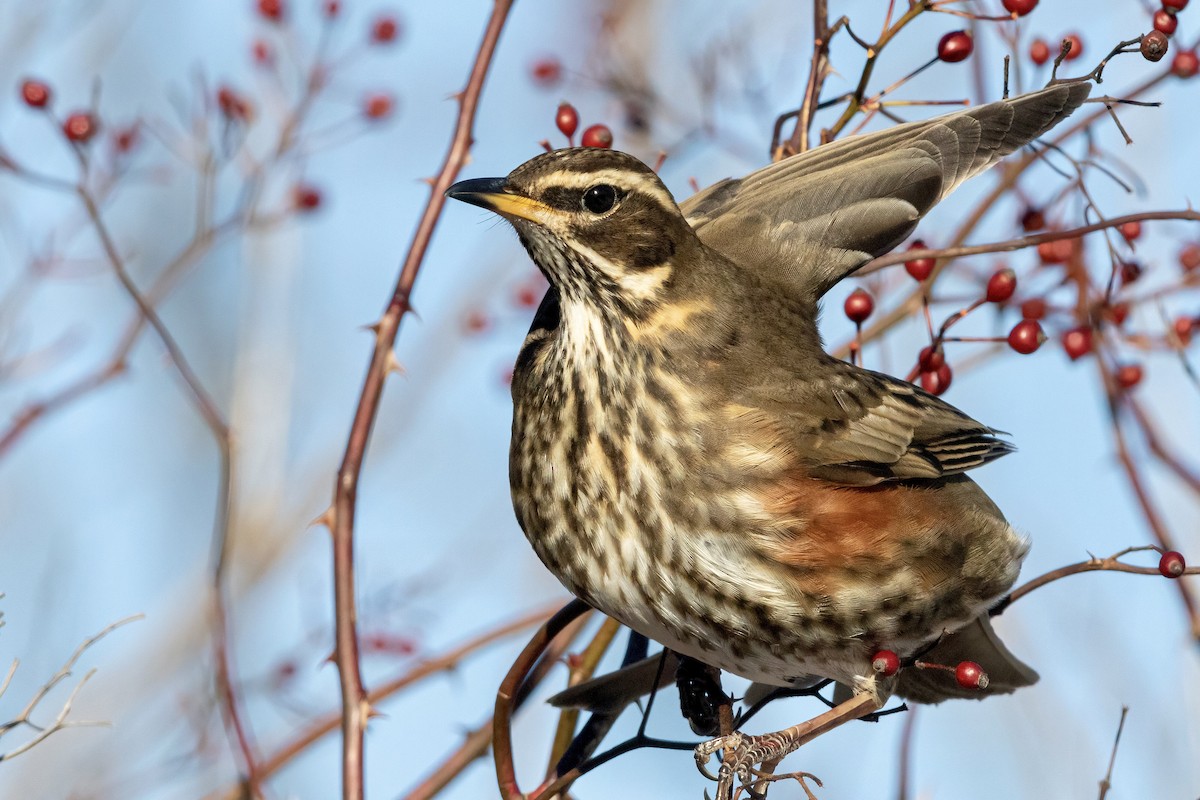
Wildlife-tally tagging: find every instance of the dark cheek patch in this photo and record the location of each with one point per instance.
(638, 236)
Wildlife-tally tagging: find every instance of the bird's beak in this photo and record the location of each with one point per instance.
(494, 195)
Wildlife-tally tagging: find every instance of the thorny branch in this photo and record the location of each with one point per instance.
(340, 518)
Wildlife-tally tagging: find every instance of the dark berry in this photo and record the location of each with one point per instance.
(1034, 308)
(385, 29)
(1026, 336)
(936, 382)
(955, 46)
(1019, 8)
(1185, 64)
(1172, 565)
(970, 675)
(859, 305)
(1129, 375)
(1001, 285)
(919, 268)
(1039, 52)
(567, 119)
(35, 94)
(596, 136)
(80, 127)
(1077, 342)
(886, 663)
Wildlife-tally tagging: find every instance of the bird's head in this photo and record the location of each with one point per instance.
(599, 223)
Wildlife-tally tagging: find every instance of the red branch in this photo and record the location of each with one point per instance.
(355, 705)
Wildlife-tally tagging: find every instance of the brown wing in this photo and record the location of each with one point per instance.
(810, 220)
(857, 427)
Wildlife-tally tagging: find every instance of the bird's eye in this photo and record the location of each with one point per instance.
(600, 199)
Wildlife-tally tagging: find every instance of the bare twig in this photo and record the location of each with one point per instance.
(355, 705)
(1106, 784)
(61, 720)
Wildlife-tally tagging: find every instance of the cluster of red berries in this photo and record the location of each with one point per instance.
(567, 120)
(79, 127)
(968, 674)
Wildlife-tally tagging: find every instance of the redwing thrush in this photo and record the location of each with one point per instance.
(688, 459)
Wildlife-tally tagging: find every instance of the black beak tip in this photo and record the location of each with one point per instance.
(469, 190)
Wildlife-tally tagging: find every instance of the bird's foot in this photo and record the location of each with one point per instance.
(742, 752)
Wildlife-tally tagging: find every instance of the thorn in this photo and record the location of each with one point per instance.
(325, 518)
(374, 713)
(392, 364)
(430, 182)
(331, 658)
(373, 328)
(545, 143)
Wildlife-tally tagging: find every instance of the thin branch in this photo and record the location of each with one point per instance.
(61, 720)
(1106, 784)
(355, 706)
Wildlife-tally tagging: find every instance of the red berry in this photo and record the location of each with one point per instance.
(306, 198)
(35, 94)
(1034, 308)
(476, 322)
(233, 105)
(1032, 219)
(970, 675)
(1189, 256)
(859, 305)
(1129, 375)
(1155, 44)
(126, 138)
(1175, 5)
(378, 106)
(597, 136)
(1077, 342)
(1172, 565)
(1026, 336)
(1130, 272)
(527, 296)
(955, 46)
(1117, 312)
(385, 29)
(1019, 8)
(1056, 251)
(1132, 231)
(1001, 285)
(271, 9)
(1039, 52)
(1076, 46)
(262, 52)
(919, 268)
(936, 382)
(886, 663)
(930, 360)
(547, 72)
(567, 119)
(332, 8)
(80, 126)
(1185, 64)
(1183, 329)
(1164, 22)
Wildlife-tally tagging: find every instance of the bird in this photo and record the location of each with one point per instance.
(687, 458)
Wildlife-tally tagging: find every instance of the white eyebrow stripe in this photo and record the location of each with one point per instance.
(624, 179)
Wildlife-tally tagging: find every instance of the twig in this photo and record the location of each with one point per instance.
(60, 721)
(1111, 564)
(355, 706)
(502, 749)
(433, 666)
(899, 257)
(1106, 784)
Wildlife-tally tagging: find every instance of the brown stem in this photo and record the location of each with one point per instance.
(1111, 564)
(1106, 783)
(1022, 242)
(502, 750)
(355, 706)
